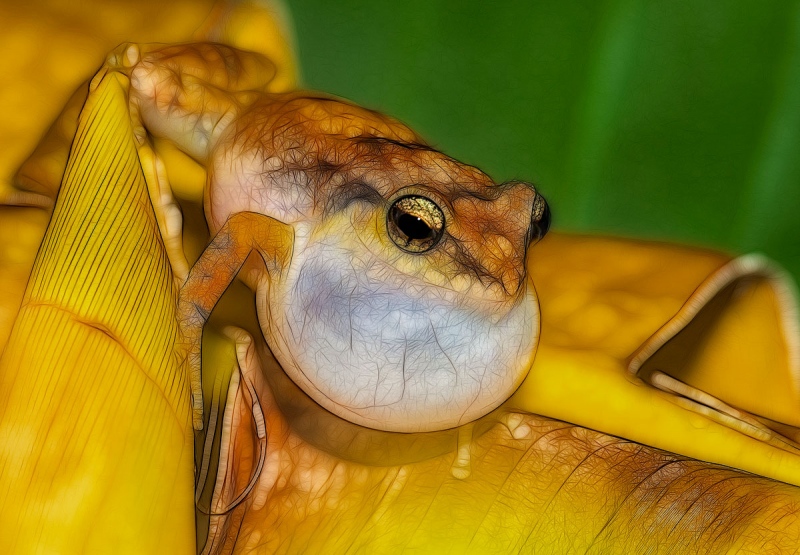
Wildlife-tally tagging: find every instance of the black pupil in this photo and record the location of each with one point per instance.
(413, 227)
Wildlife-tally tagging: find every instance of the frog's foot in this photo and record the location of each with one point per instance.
(189, 94)
(516, 425)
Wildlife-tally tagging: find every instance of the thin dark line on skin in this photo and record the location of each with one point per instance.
(92, 427)
(436, 339)
(350, 312)
(288, 320)
(84, 421)
(77, 258)
(474, 397)
(201, 477)
(147, 344)
(350, 305)
(458, 184)
(473, 267)
(351, 408)
(378, 383)
(355, 538)
(303, 327)
(405, 353)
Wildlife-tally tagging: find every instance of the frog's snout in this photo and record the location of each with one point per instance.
(540, 219)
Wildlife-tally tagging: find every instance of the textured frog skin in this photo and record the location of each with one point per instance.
(379, 334)
(538, 486)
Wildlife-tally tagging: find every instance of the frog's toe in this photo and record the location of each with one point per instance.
(196, 388)
(123, 57)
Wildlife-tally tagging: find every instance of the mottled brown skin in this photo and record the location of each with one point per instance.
(397, 339)
(336, 152)
(330, 150)
(630, 498)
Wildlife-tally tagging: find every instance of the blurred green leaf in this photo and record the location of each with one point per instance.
(669, 120)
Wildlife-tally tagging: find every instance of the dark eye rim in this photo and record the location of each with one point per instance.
(401, 239)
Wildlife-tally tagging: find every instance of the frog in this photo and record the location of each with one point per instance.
(390, 278)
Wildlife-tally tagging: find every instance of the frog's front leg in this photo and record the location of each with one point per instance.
(189, 94)
(242, 234)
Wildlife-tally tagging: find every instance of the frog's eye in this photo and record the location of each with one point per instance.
(415, 223)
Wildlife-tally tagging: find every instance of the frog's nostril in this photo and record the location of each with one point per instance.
(540, 219)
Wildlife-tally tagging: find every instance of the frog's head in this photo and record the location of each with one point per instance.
(405, 305)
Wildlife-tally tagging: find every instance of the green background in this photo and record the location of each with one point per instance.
(676, 120)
